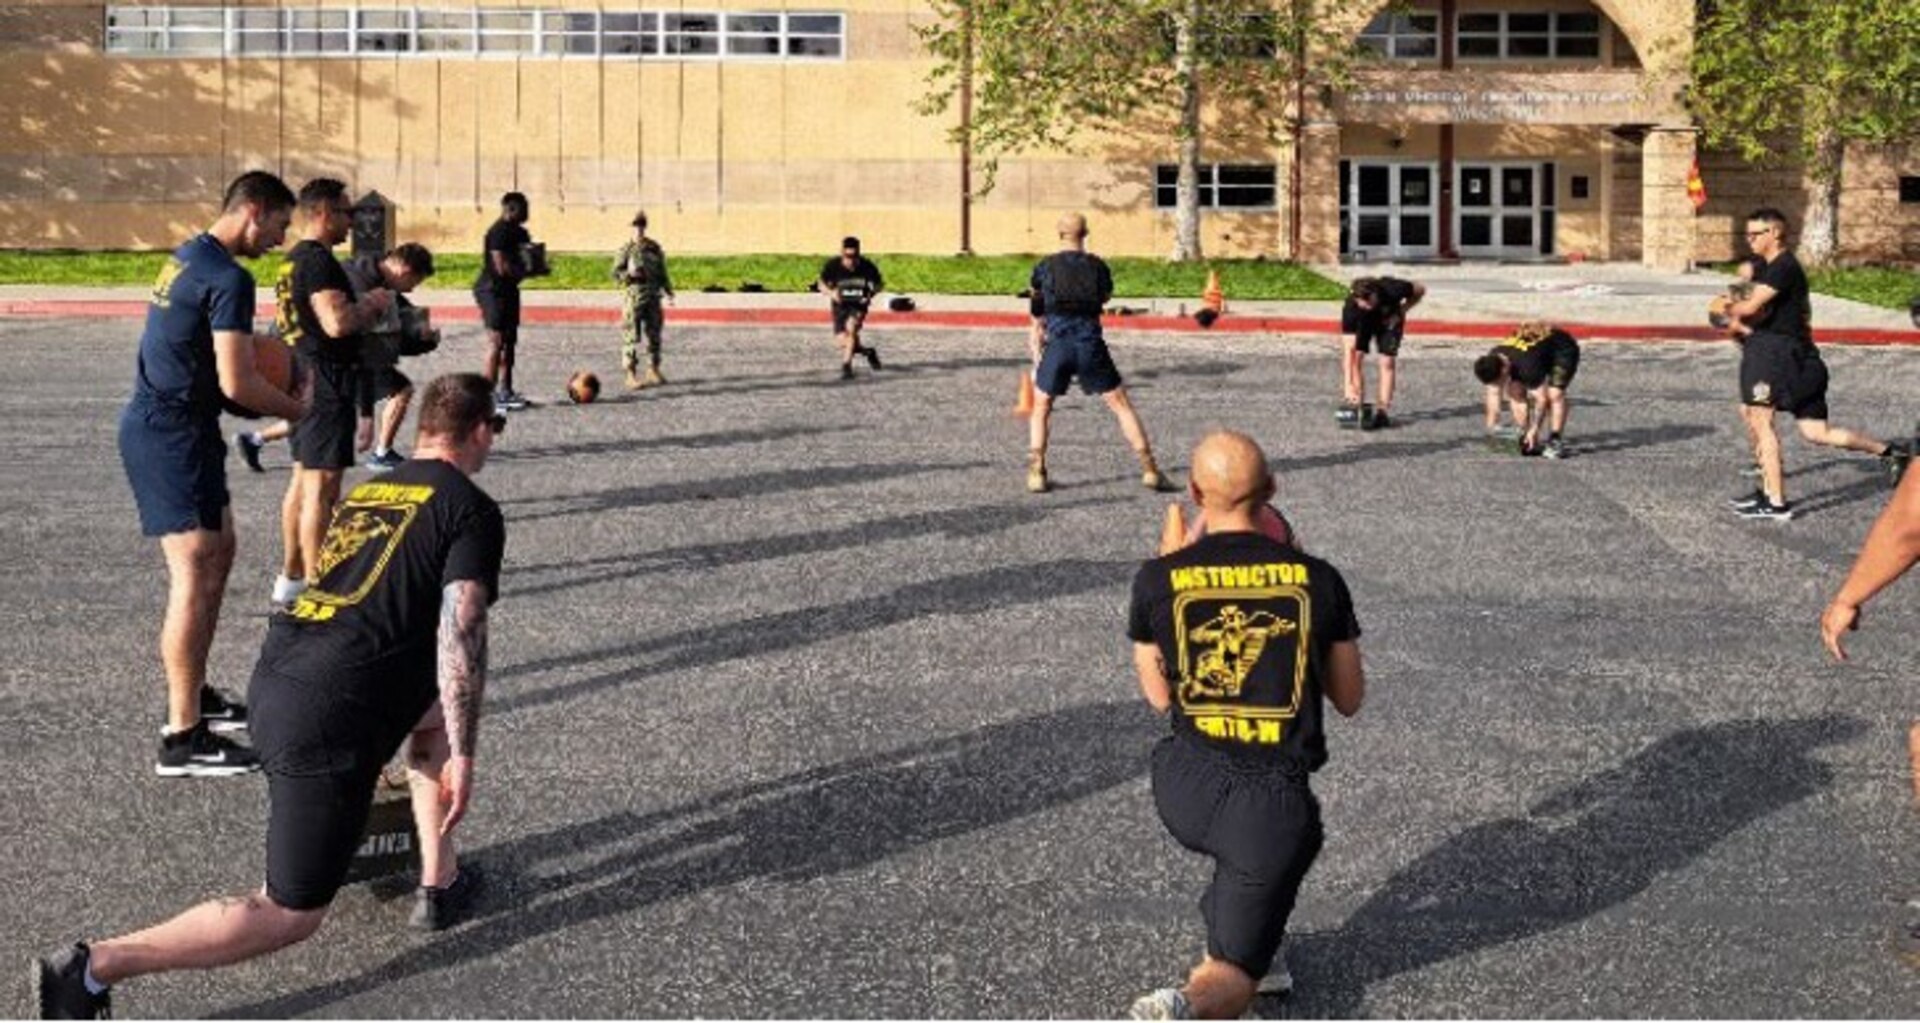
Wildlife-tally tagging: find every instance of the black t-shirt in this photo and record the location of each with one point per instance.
(1244, 624)
(309, 270)
(1393, 293)
(1070, 283)
(1790, 314)
(853, 286)
(368, 631)
(510, 240)
(1530, 361)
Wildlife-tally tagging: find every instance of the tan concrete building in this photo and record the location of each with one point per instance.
(1500, 129)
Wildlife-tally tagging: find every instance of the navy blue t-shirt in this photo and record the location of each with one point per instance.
(1069, 289)
(200, 291)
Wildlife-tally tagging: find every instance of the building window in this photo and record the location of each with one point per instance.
(1403, 36)
(446, 32)
(430, 32)
(1910, 189)
(569, 35)
(1514, 35)
(1222, 186)
(815, 35)
(384, 32)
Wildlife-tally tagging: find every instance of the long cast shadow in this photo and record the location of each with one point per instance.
(1584, 849)
(980, 520)
(705, 646)
(826, 378)
(755, 484)
(809, 825)
(636, 445)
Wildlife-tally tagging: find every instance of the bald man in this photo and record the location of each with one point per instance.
(1069, 289)
(1238, 638)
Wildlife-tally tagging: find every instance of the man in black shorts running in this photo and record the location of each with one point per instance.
(850, 282)
(497, 292)
(1374, 319)
(321, 318)
(1238, 638)
(196, 352)
(395, 627)
(1069, 290)
(1532, 371)
(399, 271)
(1781, 370)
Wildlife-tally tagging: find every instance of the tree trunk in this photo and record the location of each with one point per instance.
(1820, 239)
(1186, 242)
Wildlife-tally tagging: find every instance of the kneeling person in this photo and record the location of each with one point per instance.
(1239, 637)
(394, 629)
(1532, 370)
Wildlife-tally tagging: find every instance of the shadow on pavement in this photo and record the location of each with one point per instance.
(804, 826)
(1582, 850)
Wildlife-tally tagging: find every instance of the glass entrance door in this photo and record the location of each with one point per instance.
(1388, 210)
(1504, 210)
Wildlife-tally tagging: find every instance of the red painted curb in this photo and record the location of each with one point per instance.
(781, 317)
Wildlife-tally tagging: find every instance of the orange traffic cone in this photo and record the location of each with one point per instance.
(1173, 535)
(1214, 298)
(1023, 405)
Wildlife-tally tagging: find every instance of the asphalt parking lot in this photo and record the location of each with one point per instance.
(801, 706)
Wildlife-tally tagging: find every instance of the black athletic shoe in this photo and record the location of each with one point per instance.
(436, 909)
(249, 450)
(1380, 420)
(198, 753)
(846, 372)
(1767, 510)
(1747, 500)
(873, 356)
(61, 982)
(221, 712)
(1895, 462)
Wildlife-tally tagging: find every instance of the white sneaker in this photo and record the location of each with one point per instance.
(1166, 1003)
(286, 590)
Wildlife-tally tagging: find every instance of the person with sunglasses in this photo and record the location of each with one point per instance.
(1781, 370)
(387, 650)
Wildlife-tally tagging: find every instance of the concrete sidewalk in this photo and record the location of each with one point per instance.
(1600, 301)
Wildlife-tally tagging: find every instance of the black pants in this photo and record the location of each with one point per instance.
(1261, 828)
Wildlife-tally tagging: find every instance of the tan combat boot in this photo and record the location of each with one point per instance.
(1037, 474)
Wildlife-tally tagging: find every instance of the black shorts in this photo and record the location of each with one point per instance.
(324, 439)
(845, 314)
(386, 381)
(177, 468)
(322, 758)
(1067, 358)
(1781, 373)
(1372, 332)
(499, 310)
(1565, 365)
(1262, 828)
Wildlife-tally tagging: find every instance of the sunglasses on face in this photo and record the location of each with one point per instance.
(1760, 234)
(498, 424)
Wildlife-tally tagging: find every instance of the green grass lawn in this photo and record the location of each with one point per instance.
(948, 275)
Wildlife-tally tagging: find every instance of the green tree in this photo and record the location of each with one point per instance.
(1798, 80)
(1049, 74)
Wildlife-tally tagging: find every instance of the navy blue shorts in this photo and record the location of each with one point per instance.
(1084, 358)
(499, 310)
(178, 469)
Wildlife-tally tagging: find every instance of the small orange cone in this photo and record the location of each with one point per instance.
(1173, 535)
(1214, 298)
(1023, 405)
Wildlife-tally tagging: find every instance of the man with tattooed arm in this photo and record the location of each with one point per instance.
(389, 646)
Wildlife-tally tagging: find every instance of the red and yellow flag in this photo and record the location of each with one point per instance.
(1696, 186)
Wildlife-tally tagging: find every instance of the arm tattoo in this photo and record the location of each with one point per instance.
(463, 661)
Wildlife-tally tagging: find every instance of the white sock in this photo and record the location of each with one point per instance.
(256, 437)
(380, 452)
(94, 987)
(285, 589)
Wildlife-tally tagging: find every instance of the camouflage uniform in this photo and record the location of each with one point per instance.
(641, 311)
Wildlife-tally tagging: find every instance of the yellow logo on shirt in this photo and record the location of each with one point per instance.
(367, 528)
